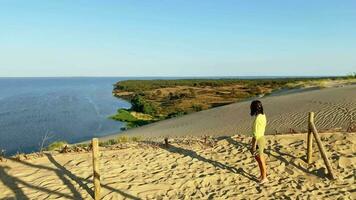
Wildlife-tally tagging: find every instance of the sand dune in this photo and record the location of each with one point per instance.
(188, 170)
(335, 108)
(224, 169)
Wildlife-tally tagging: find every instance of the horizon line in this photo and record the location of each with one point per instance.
(185, 76)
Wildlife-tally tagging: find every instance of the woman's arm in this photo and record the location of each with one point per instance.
(253, 145)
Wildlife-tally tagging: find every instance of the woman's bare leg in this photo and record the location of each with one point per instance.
(263, 168)
(259, 165)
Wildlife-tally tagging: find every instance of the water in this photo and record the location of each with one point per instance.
(70, 109)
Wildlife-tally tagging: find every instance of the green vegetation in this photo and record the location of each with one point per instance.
(123, 115)
(84, 145)
(351, 75)
(138, 86)
(136, 139)
(162, 99)
(197, 107)
(108, 143)
(131, 121)
(59, 145)
(56, 145)
(120, 140)
(140, 105)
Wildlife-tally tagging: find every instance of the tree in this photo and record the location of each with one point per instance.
(140, 105)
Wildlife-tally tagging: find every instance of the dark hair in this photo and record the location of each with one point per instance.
(256, 107)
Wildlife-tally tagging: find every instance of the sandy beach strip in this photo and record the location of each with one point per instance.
(188, 169)
(335, 109)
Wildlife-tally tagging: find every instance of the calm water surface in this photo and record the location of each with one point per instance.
(70, 109)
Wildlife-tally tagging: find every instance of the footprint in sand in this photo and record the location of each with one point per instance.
(346, 162)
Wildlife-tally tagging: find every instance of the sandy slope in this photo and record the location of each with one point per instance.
(334, 107)
(189, 170)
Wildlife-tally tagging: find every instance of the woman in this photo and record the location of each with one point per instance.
(258, 139)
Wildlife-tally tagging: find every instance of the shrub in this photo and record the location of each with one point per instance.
(176, 114)
(197, 107)
(192, 93)
(140, 105)
(159, 92)
(122, 139)
(2, 155)
(108, 143)
(256, 90)
(84, 145)
(351, 75)
(135, 138)
(56, 145)
(112, 142)
(123, 115)
(19, 156)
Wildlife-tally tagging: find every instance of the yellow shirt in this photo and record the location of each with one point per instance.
(259, 126)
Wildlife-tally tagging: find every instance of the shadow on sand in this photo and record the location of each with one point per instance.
(288, 159)
(66, 176)
(193, 154)
(62, 173)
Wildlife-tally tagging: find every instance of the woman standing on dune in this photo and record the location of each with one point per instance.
(258, 138)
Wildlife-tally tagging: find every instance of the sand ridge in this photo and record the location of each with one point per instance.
(189, 169)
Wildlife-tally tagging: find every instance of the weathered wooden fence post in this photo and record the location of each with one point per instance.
(322, 151)
(166, 143)
(96, 174)
(312, 130)
(310, 137)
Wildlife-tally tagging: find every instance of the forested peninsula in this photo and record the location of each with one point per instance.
(154, 100)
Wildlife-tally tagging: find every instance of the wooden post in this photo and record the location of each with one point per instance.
(310, 137)
(95, 149)
(322, 150)
(166, 144)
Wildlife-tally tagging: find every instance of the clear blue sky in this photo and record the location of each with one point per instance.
(177, 38)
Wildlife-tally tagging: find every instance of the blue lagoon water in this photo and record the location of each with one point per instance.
(70, 109)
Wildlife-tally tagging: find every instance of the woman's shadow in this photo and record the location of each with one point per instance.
(281, 156)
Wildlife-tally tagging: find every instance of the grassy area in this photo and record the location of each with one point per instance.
(351, 75)
(131, 121)
(145, 85)
(120, 140)
(56, 145)
(59, 145)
